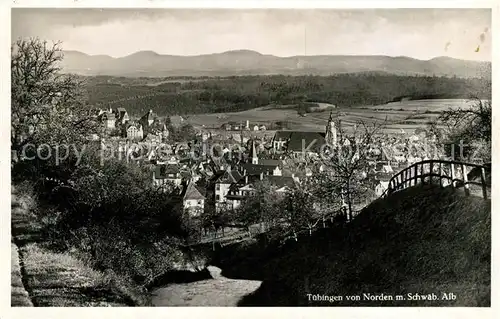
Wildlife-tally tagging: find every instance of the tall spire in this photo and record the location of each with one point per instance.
(253, 153)
(331, 131)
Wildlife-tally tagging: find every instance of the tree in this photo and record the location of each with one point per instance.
(346, 167)
(260, 208)
(299, 211)
(470, 127)
(47, 106)
(184, 133)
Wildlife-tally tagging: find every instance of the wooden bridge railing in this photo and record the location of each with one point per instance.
(445, 173)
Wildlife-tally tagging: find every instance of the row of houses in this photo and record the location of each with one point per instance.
(227, 183)
(230, 182)
(235, 126)
(119, 119)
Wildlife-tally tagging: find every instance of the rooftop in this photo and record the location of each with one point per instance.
(193, 191)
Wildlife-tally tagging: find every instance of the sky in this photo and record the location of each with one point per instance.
(418, 33)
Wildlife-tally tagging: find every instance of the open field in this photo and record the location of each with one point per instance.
(406, 115)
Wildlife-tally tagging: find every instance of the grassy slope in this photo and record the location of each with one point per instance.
(421, 240)
(52, 278)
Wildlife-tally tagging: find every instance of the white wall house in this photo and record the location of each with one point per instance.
(134, 131)
(222, 186)
(194, 200)
(165, 174)
(277, 171)
(221, 190)
(108, 119)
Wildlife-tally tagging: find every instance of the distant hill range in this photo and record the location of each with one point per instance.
(246, 62)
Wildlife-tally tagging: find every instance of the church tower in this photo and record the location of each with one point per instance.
(253, 154)
(331, 131)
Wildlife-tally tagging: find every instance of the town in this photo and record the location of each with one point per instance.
(182, 157)
(221, 166)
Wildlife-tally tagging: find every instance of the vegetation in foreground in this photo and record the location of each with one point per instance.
(421, 240)
(57, 278)
(106, 211)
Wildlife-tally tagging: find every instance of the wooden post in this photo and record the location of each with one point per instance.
(422, 169)
(441, 171)
(415, 174)
(406, 177)
(464, 178)
(431, 168)
(483, 183)
(452, 173)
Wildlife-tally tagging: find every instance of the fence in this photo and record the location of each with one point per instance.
(445, 173)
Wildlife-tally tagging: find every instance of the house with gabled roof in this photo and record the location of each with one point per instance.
(281, 184)
(238, 192)
(133, 131)
(108, 119)
(298, 142)
(224, 182)
(147, 121)
(194, 199)
(165, 174)
(256, 169)
(122, 116)
(246, 187)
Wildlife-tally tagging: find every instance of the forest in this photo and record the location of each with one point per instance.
(238, 93)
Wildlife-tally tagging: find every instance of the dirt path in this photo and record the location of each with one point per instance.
(43, 278)
(18, 293)
(219, 291)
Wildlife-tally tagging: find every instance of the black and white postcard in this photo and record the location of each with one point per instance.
(300, 156)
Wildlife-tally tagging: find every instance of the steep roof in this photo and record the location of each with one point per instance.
(256, 169)
(281, 181)
(301, 140)
(270, 162)
(106, 115)
(229, 177)
(149, 116)
(132, 123)
(193, 192)
(296, 138)
(282, 135)
(120, 113)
